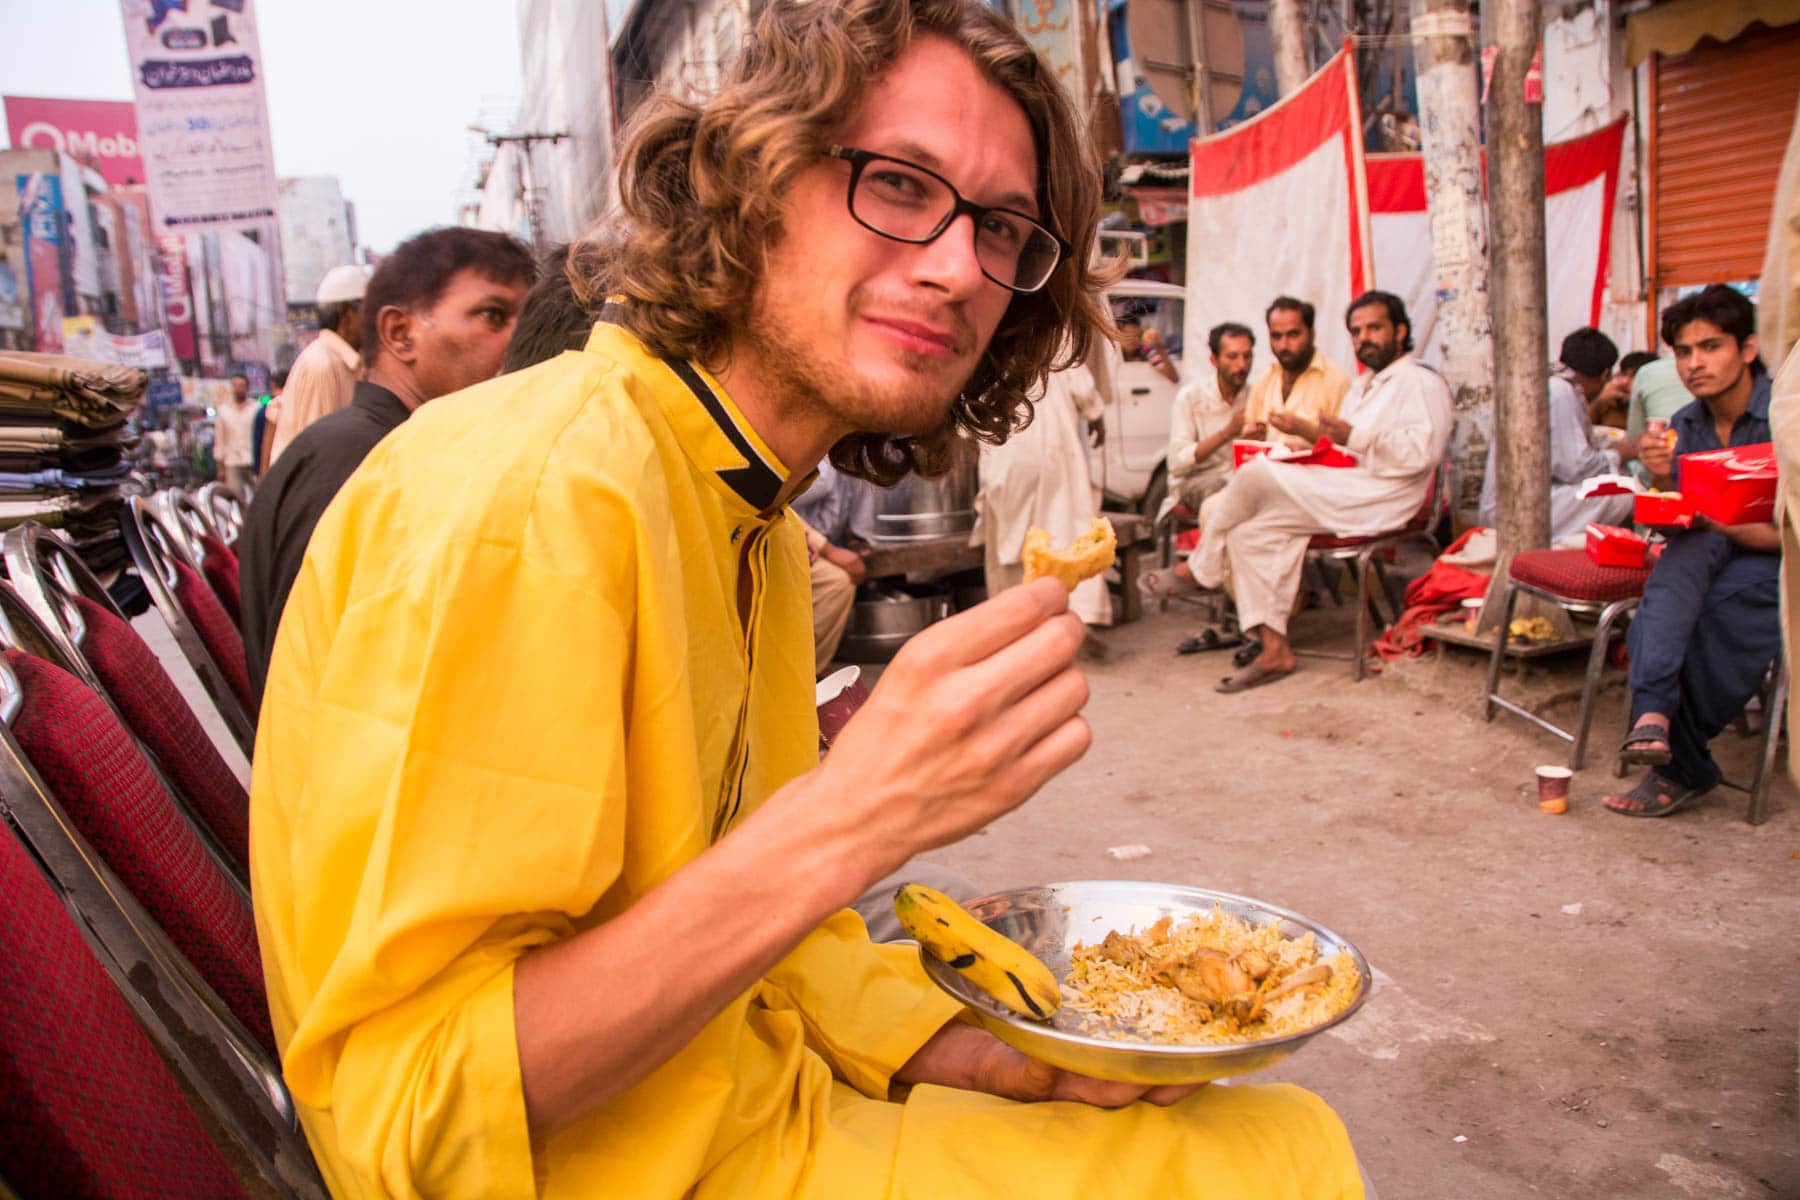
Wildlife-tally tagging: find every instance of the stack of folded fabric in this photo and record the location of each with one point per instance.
(63, 442)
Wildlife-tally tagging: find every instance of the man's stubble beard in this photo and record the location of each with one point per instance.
(1388, 352)
(791, 365)
(1302, 360)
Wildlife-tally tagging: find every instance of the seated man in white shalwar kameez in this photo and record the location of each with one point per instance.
(1395, 419)
(1579, 378)
(1040, 477)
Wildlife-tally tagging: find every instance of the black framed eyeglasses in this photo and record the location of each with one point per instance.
(909, 203)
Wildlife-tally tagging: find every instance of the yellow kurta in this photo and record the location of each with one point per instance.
(1318, 391)
(509, 695)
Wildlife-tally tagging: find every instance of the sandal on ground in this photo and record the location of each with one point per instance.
(1251, 676)
(1647, 745)
(1208, 639)
(1159, 583)
(1654, 796)
(1250, 653)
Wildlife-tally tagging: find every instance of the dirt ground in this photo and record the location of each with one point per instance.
(1577, 1005)
(1572, 1006)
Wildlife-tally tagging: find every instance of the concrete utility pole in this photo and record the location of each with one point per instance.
(1521, 338)
(1287, 38)
(1450, 125)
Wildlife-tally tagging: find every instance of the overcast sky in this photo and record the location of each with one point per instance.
(376, 92)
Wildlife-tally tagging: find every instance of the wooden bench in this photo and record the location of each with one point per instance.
(942, 555)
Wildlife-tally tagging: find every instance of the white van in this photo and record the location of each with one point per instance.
(1129, 468)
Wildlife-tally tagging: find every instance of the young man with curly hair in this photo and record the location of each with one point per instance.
(549, 877)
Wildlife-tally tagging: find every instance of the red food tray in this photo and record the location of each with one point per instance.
(1733, 486)
(1614, 546)
(1244, 449)
(1663, 508)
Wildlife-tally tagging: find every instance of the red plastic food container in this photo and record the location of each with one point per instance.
(1244, 449)
(1663, 508)
(1326, 453)
(1733, 486)
(1612, 546)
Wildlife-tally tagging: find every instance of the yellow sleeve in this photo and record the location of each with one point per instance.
(1332, 390)
(442, 750)
(867, 1008)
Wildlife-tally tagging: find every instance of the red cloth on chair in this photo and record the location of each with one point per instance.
(103, 782)
(1440, 590)
(87, 1105)
(161, 719)
(218, 633)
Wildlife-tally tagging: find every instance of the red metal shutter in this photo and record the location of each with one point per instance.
(1720, 118)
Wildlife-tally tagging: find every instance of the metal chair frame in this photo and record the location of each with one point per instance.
(222, 1065)
(36, 616)
(152, 536)
(224, 510)
(1362, 558)
(1607, 613)
(189, 521)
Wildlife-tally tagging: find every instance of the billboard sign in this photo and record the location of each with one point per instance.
(41, 216)
(203, 120)
(101, 133)
(177, 297)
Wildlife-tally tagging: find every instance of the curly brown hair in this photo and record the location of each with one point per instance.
(700, 192)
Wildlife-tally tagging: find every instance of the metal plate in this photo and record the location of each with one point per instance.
(1050, 920)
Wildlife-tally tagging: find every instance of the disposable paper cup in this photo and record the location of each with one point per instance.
(1471, 611)
(838, 696)
(1553, 789)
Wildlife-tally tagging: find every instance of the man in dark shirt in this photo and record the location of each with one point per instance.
(436, 318)
(1709, 625)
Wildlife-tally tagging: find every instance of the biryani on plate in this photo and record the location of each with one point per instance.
(1206, 979)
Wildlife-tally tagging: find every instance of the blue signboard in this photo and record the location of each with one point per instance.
(163, 393)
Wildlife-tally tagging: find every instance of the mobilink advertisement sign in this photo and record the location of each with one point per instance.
(101, 133)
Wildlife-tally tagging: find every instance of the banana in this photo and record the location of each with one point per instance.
(997, 965)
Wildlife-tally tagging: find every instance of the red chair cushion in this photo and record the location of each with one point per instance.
(220, 566)
(103, 782)
(218, 633)
(87, 1107)
(1572, 575)
(161, 719)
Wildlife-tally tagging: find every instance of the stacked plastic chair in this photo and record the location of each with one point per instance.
(169, 927)
(202, 626)
(108, 654)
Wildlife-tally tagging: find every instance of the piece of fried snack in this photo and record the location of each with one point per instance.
(1086, 557)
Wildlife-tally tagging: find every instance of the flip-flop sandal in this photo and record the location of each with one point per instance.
(1208, 639)
(1648, 796)
(1249, 654)
(1640, 747)
(1250, 677)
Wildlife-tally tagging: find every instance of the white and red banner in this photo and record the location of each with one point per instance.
(1581, 182)
(1279, 206)
(100, 133)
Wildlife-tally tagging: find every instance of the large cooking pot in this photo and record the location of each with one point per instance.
(917, 510)
(885, 616)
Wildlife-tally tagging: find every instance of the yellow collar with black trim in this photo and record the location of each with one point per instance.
(713, 432)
